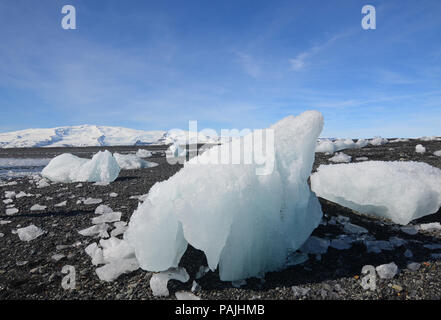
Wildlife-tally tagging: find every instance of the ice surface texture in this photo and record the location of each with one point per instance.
(244, 223)
(399, 191)
(69, 168)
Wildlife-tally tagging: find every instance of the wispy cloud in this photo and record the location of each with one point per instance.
(303, 59)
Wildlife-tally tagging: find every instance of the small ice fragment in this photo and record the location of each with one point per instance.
(113, 195)
(61, 204)
(131, 161)
(114, 269)
(158, 281)
(9, 194)
(120, 228)
(315, 245)
(116, 249)
(340, 157)
(362, 159)
(195, 286)
(29, 233)
(434, 226)
(37, 207)
(142, 153)
(101, 183)
(96, 253)
(410, 230)
(185, 295)
(387, 271)
(414, 266)
(22, 194)
(432, 246)
(340, 244)
(42, 184)
(7, 201)
(397, 242)
(94, 230)
(101, 209)
(107, 218)
(57, 257)
(3, 222)
(377, 246)
(11, 211)
(378, 141)
(408, 254)
(437, 153)
(354, 229)
(420, 149)
(89, 201)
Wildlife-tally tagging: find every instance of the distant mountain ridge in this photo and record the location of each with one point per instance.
(92, 135)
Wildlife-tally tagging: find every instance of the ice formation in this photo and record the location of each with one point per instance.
(142, 153)
(378, 141)
(399, 191)
(176, 150)
(107, 217)
(329, 146)
(69, 168)
(131, 161)
(116, 255)
(29, 233)
(185, 295)
(37, 207)
(340, 157)
(420, 149)
(244, 223)
(387, 271)
(315, 245)
(437, 153)
(158, 281)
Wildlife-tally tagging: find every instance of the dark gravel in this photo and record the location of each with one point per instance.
(27, 270)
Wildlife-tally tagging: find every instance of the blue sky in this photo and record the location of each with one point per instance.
(228, 64)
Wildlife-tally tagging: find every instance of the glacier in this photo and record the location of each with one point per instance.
(399, 191)
(92, 135)
(245, 223)
(68, 168)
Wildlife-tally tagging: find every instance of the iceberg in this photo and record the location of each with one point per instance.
(143, 153)
(68, 168)
(399, 191)
(131, 161)
(340, 157)
(245, 223)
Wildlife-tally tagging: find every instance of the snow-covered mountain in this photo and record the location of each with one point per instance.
(91, 135)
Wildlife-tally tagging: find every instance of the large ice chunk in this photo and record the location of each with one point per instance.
(244, 222)
(69, 168)
(400, 191)
(131, 161)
